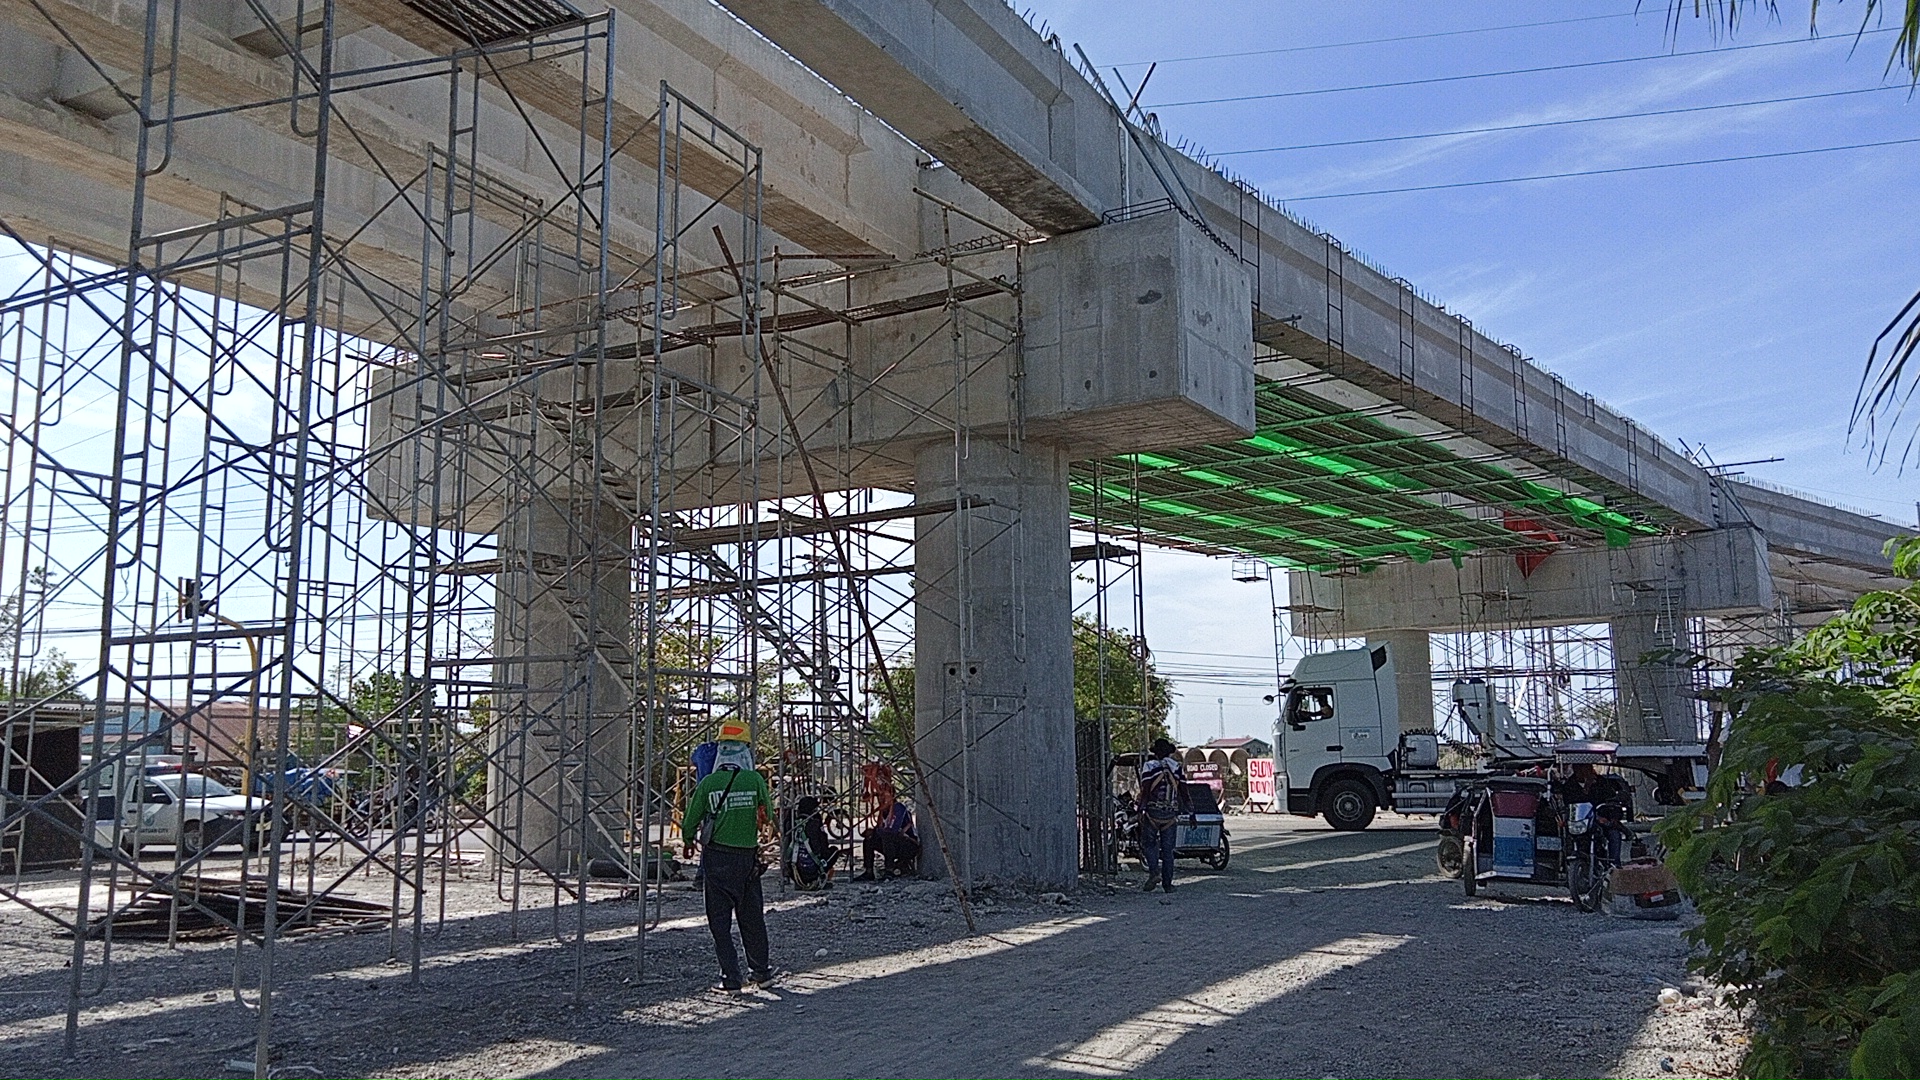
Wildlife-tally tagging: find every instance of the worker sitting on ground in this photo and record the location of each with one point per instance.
(811, 855)
(893, 836)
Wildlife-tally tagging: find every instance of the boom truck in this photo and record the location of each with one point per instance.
(1340, 752)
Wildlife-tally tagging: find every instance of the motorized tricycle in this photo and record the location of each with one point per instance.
(1201, 832)
(1562, 832)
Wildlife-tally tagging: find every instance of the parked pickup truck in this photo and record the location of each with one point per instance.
(190, 812)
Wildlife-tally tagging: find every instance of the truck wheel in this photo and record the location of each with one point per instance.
(1348, 804)
(192, 839)
(1450, 855)
(1469, 868)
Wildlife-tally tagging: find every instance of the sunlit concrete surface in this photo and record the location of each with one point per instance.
(1133, 1043)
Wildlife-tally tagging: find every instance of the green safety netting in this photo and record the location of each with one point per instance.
(1321, 487)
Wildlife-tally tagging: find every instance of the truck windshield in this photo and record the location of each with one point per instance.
(195, 787)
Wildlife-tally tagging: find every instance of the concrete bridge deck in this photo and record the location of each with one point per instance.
(1016, 116)
(1146, 330)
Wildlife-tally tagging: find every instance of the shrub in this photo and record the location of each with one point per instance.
(1811, 893)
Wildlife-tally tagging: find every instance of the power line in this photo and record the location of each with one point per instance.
(1555, 123)
(1604, 172)
(1317, 91)
(1380, 41)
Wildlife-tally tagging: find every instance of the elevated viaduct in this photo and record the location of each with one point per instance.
(848, 180)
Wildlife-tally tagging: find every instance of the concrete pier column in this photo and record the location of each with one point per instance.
(1650, 693)
(993, 662)
(1412, 653)
(562, 726)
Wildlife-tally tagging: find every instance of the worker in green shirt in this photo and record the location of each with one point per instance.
(735, 801)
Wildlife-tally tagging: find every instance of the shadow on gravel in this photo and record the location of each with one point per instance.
(1316, 954)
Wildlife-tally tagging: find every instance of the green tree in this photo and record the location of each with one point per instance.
(378, 696)
(893, 715)
(1810, 892)
(470, 760)
(1138, 698)
(48, 678)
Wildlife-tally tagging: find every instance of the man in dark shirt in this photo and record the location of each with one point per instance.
(1163, 800)
(1611, 798)
(808, 820)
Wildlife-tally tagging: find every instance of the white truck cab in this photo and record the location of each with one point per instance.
(1337, 742)
(1340, 752)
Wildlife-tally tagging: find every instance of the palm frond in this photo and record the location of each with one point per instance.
(1888, 384)
(1724, 16)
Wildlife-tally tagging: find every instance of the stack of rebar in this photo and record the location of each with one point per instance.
(209, 908)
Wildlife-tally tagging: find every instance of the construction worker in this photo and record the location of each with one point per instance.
(1163, 799)
(724, 816)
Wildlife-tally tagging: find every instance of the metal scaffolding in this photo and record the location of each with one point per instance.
(446, 505)
(448, 516)
(1115, 715)
(447, 523)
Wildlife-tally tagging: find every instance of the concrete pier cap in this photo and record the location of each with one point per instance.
(1138, 335)
(1711, 572)
(1645, 592)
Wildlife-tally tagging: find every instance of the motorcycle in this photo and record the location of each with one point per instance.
(1516, 829)
(1594, 835)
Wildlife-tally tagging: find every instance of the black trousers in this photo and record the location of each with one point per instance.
(1156, 849)
(733, 889)
(898, 849)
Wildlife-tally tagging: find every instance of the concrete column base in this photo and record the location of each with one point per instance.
(993, 663)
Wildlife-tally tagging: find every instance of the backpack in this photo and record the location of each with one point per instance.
(806, 868)
(1160, 797)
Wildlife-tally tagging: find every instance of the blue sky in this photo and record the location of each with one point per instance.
(1727, 305)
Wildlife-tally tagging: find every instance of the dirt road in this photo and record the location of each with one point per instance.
(1314, 954)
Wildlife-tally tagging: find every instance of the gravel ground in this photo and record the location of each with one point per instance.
(1315, 954)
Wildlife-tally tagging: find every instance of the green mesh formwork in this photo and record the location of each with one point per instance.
(1321, 486)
